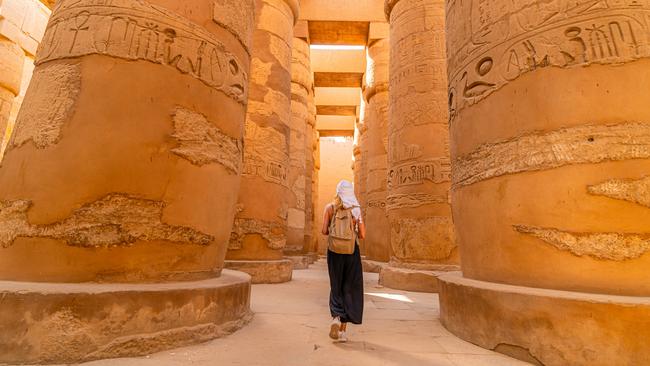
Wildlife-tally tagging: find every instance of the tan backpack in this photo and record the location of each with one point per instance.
(342, 237)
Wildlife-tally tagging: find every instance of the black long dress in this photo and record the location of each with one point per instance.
(346, 286)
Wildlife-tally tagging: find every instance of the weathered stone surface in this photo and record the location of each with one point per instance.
(548, 179)
(109, 177)
(372, 266)
(66, 323)
(409, 279)
(636, 191)
(606, 329)
(267, 147)
(116, 219)
(419, 165)
(202, 143)
(606, 246)
(539, 151)
(377, 242)
(162, 37)
(300, 261)
(264, 271)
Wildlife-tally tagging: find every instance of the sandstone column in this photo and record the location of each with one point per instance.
(419, 172)
(315, 196)
(300, 115)
(118, 188)
(259, 233)
(362, 196)
(311, 236)
(377, 240)
(551, 158)
(11, 70)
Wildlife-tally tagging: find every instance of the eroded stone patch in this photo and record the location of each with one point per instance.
(540, 151)
(115, 220)
(416, 199)
(53, 92)
(201, 142)
(636, 191)
(418, 238)
(273, 232)
(605, 246)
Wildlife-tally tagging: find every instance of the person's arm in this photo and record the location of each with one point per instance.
(362, 229)
(327, 217)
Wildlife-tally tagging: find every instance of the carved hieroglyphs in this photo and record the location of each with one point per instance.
(419, 167)
(124, 167)
(497, 44)
(11, 68)
(550, 187)
(301, 87)
(267, 146)
(135, 30)
(377, 241)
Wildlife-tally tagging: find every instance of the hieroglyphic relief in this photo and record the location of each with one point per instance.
(53, 93)
(604, 246)
(273, 232)
(116, 219)
(429, 238)
(636, 191)
(201, 142)
(137, 30)
(265, 153)
(434, 170)
(540, 151)
(411, 200)
(493, 41)
(376, 203)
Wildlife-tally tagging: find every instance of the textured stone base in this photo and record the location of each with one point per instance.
(313, 257)
(373, 266)
(411, 279)
(68, 323)
(299, 261)
(547, 327)
(271, 271)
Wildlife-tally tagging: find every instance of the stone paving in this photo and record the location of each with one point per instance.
(291, 325)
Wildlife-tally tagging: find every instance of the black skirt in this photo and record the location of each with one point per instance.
(346, 286)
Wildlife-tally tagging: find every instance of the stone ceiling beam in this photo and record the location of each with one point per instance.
(338, 79)
(336, 110)
(339, 33)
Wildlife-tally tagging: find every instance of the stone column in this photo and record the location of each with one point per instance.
(310, 215)
(118, 187)
(362, 196)
(259, 233)
(11, 70)
(315, 196)
(419, 171)
(300, 115)
(551, 158)
(377, 240)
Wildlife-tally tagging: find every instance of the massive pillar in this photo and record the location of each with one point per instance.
(551, 158)
(419, 171)
(22, 25)
(301, 87)
(311, 236)
(363, 165)
(11, 71)
(377, 240)
(118, 188)
(315, 182)
(259, 232)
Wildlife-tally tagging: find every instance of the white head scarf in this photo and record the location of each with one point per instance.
(345, 191)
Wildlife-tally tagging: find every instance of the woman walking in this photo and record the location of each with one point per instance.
(343, 224)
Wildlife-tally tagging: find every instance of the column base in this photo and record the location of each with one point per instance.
(416, 280)
(45, 323)
(299, 261)
(271, 271)
(373, 266)
(547, 327)
(313, 257)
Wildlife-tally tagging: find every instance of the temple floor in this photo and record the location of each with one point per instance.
(291, 327)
